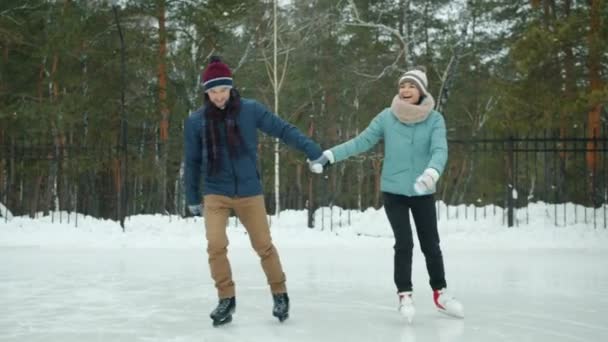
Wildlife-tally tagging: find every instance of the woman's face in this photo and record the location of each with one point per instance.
(409, 92)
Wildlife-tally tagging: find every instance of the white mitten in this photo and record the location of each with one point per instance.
(317, 165)
(426, 182)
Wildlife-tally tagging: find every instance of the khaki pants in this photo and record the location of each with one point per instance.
(251, 211)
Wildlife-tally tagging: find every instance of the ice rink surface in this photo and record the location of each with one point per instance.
(341, 290)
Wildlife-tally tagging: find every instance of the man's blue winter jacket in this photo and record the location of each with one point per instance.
(238, 176)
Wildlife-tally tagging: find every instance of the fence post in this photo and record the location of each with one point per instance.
(122, 154)
(310, 205)
(510, 185)
(311, 215)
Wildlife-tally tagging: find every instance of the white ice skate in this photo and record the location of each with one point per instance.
(448, 304)
(406, 305)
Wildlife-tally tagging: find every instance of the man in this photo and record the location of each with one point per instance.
(221, 143)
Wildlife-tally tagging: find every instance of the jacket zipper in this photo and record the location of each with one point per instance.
(236, 179)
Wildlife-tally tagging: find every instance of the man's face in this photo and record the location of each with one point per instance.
(219, 96)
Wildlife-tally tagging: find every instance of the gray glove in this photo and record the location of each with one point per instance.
(195, 209)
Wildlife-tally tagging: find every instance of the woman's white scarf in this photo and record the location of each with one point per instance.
(409, 113)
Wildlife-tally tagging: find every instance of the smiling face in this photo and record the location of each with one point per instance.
(219, 96)
(409, 92)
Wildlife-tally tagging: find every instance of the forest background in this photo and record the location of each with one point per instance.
(93, 96)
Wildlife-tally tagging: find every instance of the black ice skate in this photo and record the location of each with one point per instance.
(223, 312)
(280, 309)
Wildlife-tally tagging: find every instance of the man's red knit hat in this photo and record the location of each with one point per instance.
(216, 74)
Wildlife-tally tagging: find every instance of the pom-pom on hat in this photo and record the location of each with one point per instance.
(216, 74)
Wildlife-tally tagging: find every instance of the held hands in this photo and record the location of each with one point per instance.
(196, 209)
(426, 182)
(317, 165)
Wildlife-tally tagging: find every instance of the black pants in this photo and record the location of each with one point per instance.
(423, 209)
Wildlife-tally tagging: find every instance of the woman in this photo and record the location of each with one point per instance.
(415, 154)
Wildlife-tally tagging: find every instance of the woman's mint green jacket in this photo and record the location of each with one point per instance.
(408, 149)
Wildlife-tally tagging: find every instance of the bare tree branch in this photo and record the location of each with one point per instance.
(387, 69)
(247, 50)
(451, 68)
(268, 63)
(357, 21)
(284, 71)
(403, 51)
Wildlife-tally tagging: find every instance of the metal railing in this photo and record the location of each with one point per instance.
(485, 176)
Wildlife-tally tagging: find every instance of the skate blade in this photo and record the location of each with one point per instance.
(217, 323)
(453, 313)
(409, 316)
(282, 318)
(408, 319)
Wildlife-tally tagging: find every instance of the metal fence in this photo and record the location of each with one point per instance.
(485, 177)
(546, 167)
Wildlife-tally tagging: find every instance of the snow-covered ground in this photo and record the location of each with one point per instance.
(92, 282)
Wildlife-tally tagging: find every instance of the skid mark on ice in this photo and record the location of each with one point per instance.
(561, 328)
(522, 320)
(494, 332)
(562, 321)
(357, 306)
(543, 330)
